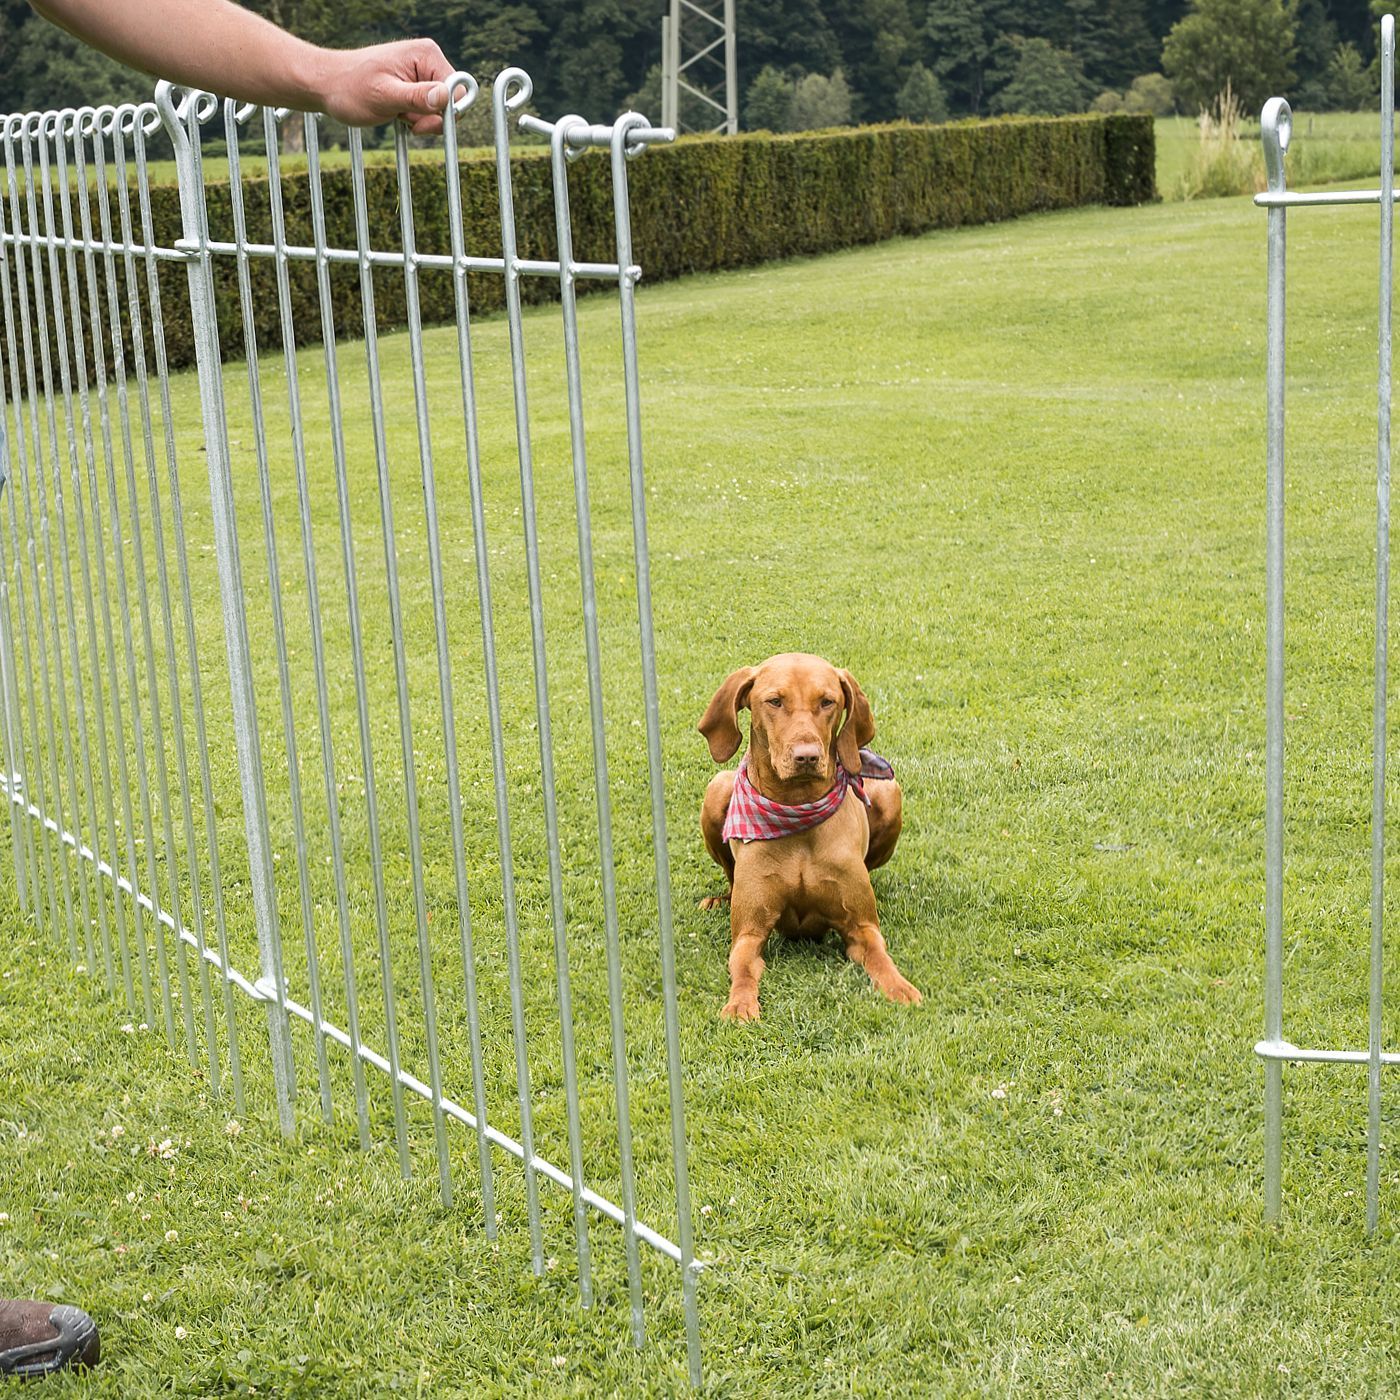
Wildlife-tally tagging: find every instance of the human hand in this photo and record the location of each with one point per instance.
(403, 81)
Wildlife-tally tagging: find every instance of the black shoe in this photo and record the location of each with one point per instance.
(37, 1339)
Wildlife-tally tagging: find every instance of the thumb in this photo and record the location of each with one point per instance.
(425, 98)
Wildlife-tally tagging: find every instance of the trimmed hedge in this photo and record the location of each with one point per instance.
(703, 204)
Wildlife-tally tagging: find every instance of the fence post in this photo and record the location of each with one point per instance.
(204, 320)
(1373, 1127)
(1275, 126)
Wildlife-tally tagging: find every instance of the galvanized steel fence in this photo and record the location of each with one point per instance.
(405, 802)
(1275, 1050)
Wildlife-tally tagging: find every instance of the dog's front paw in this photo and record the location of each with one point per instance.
(713, 901)
(899, 990)
(743, 1006)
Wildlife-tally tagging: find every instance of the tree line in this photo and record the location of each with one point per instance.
(804, 64)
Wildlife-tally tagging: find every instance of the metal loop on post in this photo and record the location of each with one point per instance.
(637, 133)
(470, 88)
(512, 89)
(1275, 131)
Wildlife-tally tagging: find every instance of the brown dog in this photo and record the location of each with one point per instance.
(815, 879)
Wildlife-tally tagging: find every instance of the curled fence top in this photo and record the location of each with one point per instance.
(182, 112)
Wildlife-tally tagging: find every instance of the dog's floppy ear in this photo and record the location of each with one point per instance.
(859, 728)
(720, 722)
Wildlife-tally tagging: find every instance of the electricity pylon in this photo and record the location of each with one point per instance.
(698, 58)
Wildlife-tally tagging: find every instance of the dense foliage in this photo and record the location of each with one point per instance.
(892, 57)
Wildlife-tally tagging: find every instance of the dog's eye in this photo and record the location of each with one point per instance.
(828, 703)
(775, 700)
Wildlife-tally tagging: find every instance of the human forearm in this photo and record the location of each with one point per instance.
(219, 46)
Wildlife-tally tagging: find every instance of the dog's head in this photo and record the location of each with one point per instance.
(805, 715)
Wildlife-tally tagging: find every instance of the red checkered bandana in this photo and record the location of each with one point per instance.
(754, 817)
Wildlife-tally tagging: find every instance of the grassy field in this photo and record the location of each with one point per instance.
(1327, 147)
(1013, 478)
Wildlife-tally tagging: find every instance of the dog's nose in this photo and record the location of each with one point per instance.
(806, 755)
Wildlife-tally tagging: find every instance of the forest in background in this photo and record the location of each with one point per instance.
(804, 64)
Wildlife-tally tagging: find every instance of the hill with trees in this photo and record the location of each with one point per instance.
(804, 64)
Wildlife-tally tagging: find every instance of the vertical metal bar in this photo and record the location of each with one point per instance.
(163, 576)
(386, 963)
(8, 714)
(18, 761)
(56, 697)
(247, 740)
(342, 901)
(449, 719)
(143, 783)
(279, 632)
(60, 124)
(731, 72)
(510, 91)
(80, 120)
(667, 117)
(1373, 1129)
(137, 934)
(671, 88)
(410, 778)
(35, 793)
(627, 282)
(55, 125)
(138, 118)
(488, 651)
(602, 795)
(1275, 126)
(64, 123)
(143, 595)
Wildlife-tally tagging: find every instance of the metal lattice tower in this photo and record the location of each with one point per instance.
(698, 58)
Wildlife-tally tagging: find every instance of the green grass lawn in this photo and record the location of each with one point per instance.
(1013, 478)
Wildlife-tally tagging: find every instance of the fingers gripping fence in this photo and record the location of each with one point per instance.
(1274, 1049)
(412, 800)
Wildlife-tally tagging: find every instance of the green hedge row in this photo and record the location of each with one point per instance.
(703, 204)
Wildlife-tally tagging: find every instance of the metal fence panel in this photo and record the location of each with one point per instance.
(386, 814)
